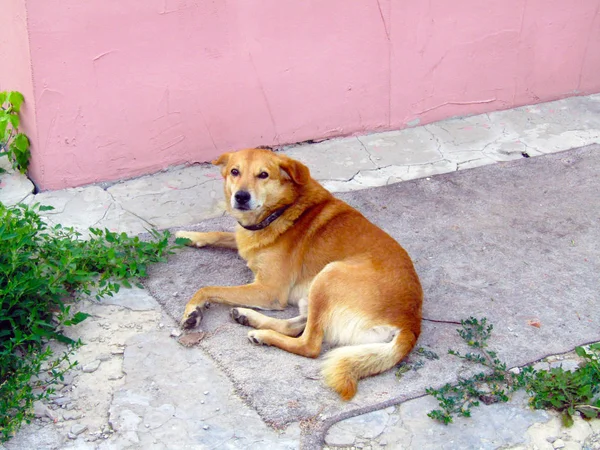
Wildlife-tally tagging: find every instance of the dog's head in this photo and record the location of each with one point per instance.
(258, 182)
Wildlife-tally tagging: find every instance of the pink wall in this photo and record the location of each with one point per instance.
(15, 63)
(124, 88)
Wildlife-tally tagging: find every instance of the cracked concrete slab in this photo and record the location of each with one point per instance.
(87, 207)
(490, 427)
(334, 159)
(496, 242)
(366, 426)
(405, 147)
(14, 187)
(465, 133)
(134, 298)
(136, 387)
(172, 198)
(174, 398)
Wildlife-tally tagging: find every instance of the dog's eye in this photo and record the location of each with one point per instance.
(235, 172)
(263, 175)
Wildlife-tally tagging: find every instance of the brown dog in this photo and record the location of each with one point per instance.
(354, 285)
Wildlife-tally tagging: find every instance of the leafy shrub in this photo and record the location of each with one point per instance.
(12, 142)
(41, 268)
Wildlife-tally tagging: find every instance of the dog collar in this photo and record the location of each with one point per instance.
(268, 221)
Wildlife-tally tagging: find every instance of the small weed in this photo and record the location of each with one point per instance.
(13, 143)
(406, 366)
(491, 387)
(41, 268)
(402, 368)
(563, 391)
(428, 354)
(570, 392)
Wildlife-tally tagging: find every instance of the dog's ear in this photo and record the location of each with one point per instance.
(222, 162)
(297, 171)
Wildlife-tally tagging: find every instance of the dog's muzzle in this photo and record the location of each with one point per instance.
(242, 200)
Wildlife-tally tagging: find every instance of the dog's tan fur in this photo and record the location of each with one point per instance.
(355, 286)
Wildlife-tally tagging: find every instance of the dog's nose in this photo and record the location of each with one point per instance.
(242, 197)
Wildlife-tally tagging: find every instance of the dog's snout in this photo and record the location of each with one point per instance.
(242, 197)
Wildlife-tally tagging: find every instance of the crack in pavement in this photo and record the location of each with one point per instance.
(117, 203)
(368, 153)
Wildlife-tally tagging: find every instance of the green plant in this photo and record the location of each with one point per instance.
(558, 389)
(492, 386)
(41, 268)
(417, 361)
(570, 392)
(13, 143)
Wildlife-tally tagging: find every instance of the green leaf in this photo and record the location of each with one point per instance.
(64, 339)
(21, 142)
(567, 420)
(20, 151)
(14, 121)
(16, 99)
(3, 96)
(78, 317)
(589, 411)
(3, 127)
(47, 208)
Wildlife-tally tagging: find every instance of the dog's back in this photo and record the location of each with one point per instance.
(364, 294)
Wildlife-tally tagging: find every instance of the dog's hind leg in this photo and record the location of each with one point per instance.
(290, 327)
(310, 342)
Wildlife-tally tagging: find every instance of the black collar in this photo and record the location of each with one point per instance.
(265, 223)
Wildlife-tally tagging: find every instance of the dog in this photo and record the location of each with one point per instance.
(355, 286)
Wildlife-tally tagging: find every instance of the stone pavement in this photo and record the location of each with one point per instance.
(137, 388)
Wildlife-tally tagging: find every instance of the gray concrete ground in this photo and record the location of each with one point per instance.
(137, 388)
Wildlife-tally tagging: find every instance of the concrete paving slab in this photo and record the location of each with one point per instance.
(85, 207)
(334, 159)
(172, 397)
(14, 187)
(136, 387)
(134, 298)
(496, 242)
(405, 147)
(490, 427)
(172, 198)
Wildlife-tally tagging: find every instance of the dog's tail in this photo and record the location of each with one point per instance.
(344, 366)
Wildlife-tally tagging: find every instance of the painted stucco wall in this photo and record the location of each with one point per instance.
(122, 88)
(15, 64)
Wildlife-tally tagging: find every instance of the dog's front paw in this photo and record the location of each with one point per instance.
(194, 238)
(191, 318)
(238, 315)
(256, 337)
